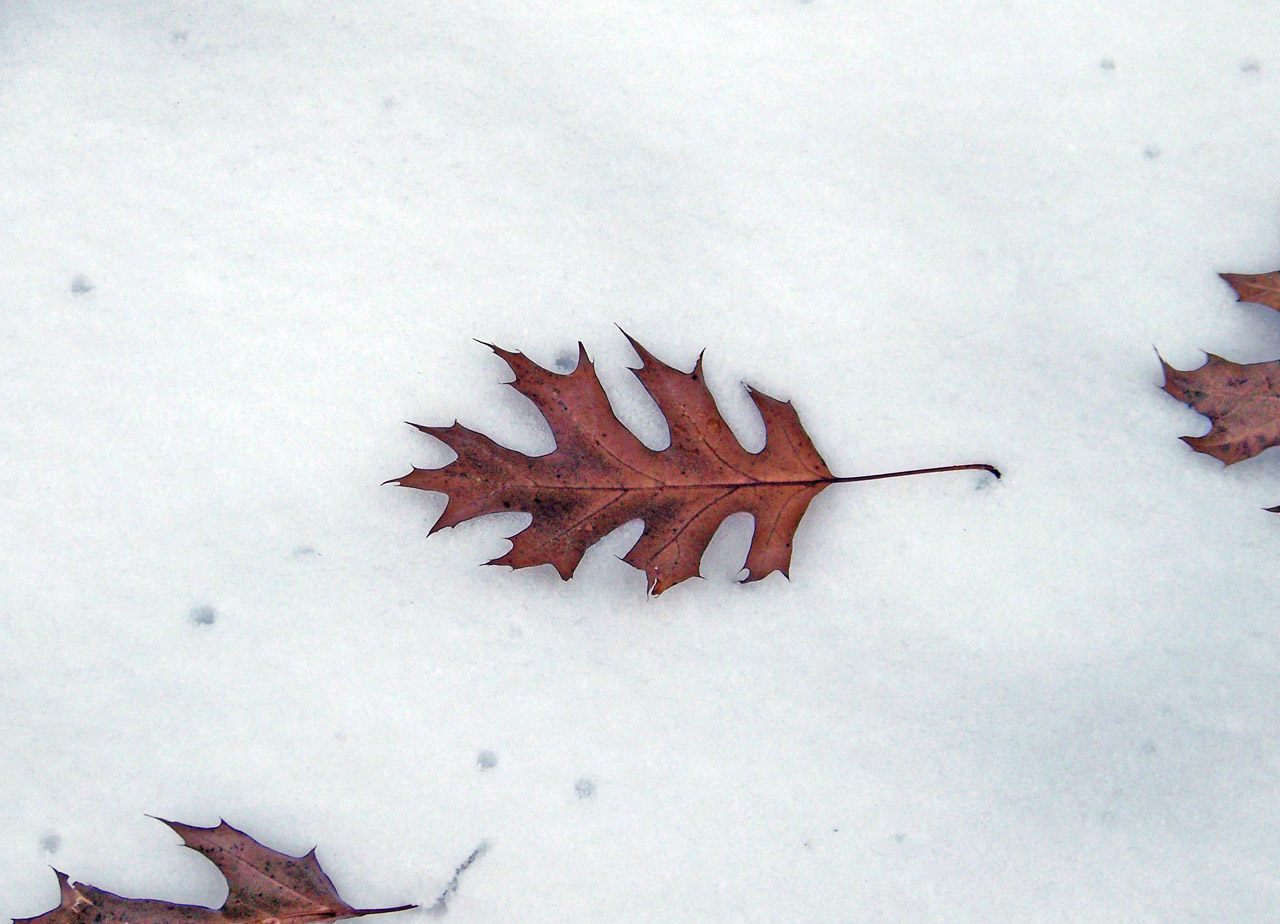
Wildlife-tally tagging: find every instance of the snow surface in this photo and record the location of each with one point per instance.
(242, 242)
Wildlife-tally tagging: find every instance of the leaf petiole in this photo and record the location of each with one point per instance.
(973, 466)
(361, 912)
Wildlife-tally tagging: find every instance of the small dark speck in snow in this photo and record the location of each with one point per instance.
(81, 285)
(203, 615)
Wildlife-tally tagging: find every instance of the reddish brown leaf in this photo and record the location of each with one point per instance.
(601, 476)
(264, 887)
(1242, 402)
(1262, 289)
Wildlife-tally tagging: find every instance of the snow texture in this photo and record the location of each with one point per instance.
(242, 242)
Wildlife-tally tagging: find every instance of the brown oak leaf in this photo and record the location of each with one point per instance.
(264, 887)
(1242, 402)
(600, 475)
(1262, 289)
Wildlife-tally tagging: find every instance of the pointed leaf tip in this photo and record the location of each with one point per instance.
(510, 357)
(636, 345)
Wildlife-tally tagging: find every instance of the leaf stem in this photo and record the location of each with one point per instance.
(975, 466)
(361, 912)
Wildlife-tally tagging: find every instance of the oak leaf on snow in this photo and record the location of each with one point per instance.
(601, 475)
(1242, 401)
(263, 887)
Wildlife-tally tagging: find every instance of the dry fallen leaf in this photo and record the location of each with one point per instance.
(1242, 402)
(601, 476)
(1262, 289)
(264, 887)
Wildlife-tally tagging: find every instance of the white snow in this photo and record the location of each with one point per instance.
(240, 243)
